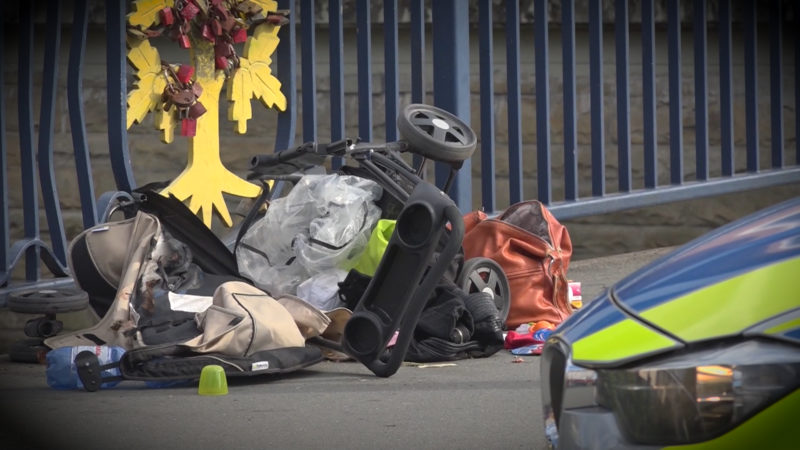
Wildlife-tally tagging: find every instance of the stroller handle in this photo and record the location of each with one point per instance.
(387, 305)
(344, 147)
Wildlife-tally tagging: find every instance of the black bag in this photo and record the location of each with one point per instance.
(166, 363)
(98, 255)
(453, 325)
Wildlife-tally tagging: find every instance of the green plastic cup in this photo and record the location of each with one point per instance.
(213, 381)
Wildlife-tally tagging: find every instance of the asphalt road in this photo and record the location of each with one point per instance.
(480, 403)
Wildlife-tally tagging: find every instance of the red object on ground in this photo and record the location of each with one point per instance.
(516, 340)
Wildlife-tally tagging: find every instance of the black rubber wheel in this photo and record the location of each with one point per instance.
(436, 134)
(485, 275)
(48, 301)
(31, 351)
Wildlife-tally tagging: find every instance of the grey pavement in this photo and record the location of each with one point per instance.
(479, 403)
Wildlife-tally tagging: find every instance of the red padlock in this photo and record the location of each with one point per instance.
(207, 33)
(221, 63)
(184, 41)
(216, 27)
(239, 35)
(188, 127)
(189, 10)
(166, 16)
(185, 73)
(229, 23)
(220, 10)
(277, 20)
(197, 89)
(221, 48)
(196, 110)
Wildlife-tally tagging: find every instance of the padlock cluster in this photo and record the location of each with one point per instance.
(184, 93)
(221, 22)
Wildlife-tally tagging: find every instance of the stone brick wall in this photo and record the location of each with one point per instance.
(613, 233)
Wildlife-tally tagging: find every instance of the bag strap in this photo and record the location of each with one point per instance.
(555, 269)
(251, 215)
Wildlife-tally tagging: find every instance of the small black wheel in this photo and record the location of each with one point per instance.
(485, 275)
(48, 301)
(436, 134)
(30, 350)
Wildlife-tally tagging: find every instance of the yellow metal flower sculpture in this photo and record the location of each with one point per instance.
(189, 95)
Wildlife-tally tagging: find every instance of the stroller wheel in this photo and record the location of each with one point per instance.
(436, 134)
(485, 275)
(48, 301)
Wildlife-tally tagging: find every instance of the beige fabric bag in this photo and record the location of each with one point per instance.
(107, 246)
(243, 319)
(238, 320)
(111, 329)
(309, 319)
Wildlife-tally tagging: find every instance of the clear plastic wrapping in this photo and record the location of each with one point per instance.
(324, 223)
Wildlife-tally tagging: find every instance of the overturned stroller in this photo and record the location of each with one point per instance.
(421, 269)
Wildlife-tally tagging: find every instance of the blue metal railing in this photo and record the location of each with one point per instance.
(623, 97)
(648, 96)
(726, 87)
(514, 88)
(488, 189)
(451, 36)
(596, 92)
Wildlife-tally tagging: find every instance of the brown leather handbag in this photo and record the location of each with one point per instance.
(534, 250)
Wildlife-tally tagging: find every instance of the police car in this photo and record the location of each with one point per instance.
(700, 349)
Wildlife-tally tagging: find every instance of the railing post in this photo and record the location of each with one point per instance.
(750, 17)
(649, 95)
(286, 60)
(796, 35)
(47, 175)
(542, 63)
(487, 149)
(117, 101)
(570, 102)
(30, 199)
(364, 37)
(77, 118)
(623, 97)
(309, 72)
(417, 10)
(451, 82)
(675, 97)
(390, 64)
(596, 96)
(700, 91)
(726, 88)
(336, 52)
(4, 235)
(514, 100)
(776, 82)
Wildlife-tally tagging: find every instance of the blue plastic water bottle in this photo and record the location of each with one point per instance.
(63, 374)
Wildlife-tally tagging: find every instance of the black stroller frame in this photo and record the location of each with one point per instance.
(388, 304)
